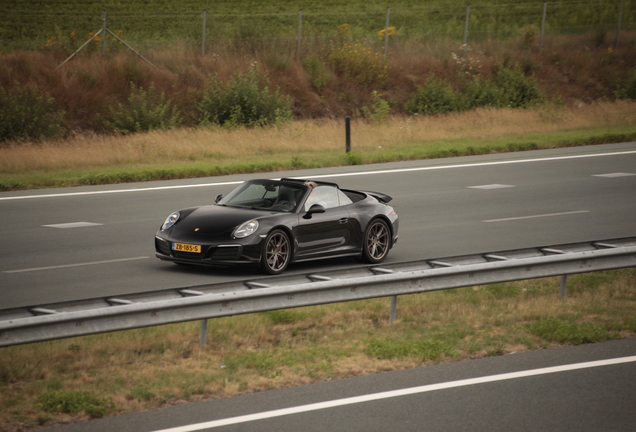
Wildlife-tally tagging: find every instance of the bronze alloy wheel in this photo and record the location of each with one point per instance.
(276, 252)
(376, 241)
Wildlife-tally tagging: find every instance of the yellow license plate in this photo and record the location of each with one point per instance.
(183, 247)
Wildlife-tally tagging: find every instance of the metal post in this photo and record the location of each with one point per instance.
(205, 15)
(386, 30)
(466, 25)
(564, 281)
(104, 34)
(203, 336)
(545, 7)
(300, 32)
(393, 315)
(620, 20)
(348, 134)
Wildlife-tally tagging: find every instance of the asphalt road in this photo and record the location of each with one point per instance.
(85, 242)
(584, 388)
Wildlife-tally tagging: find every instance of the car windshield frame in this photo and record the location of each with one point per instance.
(266, 195)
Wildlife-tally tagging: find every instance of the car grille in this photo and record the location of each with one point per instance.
(162, 247)
(226, 253)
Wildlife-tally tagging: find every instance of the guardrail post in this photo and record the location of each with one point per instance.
(564, 281)
(203, 336)
(393, 314)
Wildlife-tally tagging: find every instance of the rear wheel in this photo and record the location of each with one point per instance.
(276, 252)
(377, 239)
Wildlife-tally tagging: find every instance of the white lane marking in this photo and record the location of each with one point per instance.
(396, 393)
(490, 186)
(611, 175)
(537, 216)
(75, 265)
(72, 225)
(403, 170)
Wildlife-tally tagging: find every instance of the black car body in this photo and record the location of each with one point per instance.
(271, 223)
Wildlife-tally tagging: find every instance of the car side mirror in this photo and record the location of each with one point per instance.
(218, 198)
(316, 208)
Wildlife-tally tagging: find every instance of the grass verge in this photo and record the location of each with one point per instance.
(77, 379)
(188, 153)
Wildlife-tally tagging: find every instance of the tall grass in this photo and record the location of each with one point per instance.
(148, 368)
(184, 153)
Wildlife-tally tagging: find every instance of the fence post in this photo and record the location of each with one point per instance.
(466, 25)
(104, 34)
(386, 31)
(545, 7)
(300, 32)
(205, 16)
(347, 134)
(620, 20)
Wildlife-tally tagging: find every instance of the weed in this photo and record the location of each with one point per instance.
(567, 330)
(73, 402)
(379, 111)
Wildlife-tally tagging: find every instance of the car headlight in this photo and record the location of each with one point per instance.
(170, 220)
(246, 229)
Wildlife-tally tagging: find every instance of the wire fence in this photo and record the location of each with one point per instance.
(533, 25)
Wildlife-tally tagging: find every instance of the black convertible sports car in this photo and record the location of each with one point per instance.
(271, 223)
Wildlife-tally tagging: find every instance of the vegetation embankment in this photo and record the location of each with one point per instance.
(89, 377)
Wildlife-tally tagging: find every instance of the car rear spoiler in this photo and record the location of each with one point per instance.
(383, 198)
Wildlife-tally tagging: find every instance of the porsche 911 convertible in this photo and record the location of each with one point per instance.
(271, 223)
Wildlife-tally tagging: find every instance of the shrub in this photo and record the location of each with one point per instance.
(145, 111)
(359, 64)
(243, 101)
(435, 97)
(629, 90)
(28, 113)
(518, 90)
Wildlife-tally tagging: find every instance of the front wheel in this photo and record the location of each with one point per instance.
(276, 253)
(377, 239)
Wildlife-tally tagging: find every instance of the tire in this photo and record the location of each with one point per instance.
(376, 242)
(276, 253)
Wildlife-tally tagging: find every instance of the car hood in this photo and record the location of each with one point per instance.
(214, 220)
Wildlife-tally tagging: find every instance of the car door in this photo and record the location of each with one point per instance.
(323, 234)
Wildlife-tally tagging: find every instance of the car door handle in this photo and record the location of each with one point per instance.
(343, 220)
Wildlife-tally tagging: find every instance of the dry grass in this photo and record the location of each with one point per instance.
(149, 368)
(306, 139)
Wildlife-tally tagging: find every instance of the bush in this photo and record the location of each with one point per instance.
(28, 113)
(435, 97)
(144, 112)
(518, 90)
(243, 101)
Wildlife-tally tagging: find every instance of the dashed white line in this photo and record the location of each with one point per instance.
(537, 216)
(470, 165)
(396, 393)
(73, 225)
(74, 265)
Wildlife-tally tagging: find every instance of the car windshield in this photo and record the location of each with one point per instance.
(265, 195)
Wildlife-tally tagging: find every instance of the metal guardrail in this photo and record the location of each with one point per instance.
(48, 322)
